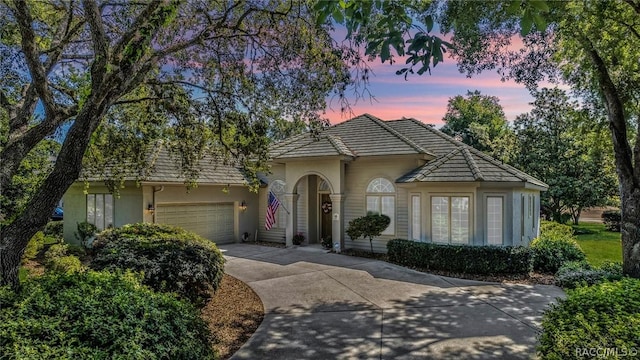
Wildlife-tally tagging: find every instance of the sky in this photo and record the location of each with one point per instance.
(425, 97)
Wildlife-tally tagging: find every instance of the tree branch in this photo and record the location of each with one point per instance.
(100, 43)
(29, 47)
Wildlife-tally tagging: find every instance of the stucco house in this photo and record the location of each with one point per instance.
(434, 189)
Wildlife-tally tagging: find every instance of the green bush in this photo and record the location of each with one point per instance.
(368, 226)
(172, 259)
(603, 316)
(85, 233)
(580, 273)
(56, 251)
(551, 227)
(33, 246)
(98, 315)
(65, 265)
(552, 249)
(54, 229)
(612, 220)
(461, 258)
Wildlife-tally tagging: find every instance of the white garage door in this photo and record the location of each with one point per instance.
(211, 221)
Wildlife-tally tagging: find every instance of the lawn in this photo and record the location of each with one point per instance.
(599, 244)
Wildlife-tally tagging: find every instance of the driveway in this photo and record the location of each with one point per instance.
(320, 305)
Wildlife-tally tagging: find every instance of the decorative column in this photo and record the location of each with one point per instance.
(291, 204)
(337, 221)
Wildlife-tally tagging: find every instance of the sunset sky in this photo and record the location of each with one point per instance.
(425, 97)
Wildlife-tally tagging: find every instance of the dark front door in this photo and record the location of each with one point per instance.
(325, 216)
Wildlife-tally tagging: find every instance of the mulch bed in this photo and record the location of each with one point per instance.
(233, 315)
(266, 243)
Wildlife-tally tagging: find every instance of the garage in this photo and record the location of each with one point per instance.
(213, 221)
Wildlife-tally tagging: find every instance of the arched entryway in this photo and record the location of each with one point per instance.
(313, 215)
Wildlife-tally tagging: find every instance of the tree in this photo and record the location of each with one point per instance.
(119, 78)
(368, 226)
(570, 159)
(594, 46)
(479, 121)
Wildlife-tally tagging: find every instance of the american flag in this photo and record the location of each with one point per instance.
(272, 207)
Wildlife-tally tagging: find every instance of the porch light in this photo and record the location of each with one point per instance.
(243, 206)
(150, 208)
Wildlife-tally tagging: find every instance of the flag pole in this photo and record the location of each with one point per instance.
(282, 204)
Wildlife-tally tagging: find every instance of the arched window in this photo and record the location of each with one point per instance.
(277, 187)
(381, 199)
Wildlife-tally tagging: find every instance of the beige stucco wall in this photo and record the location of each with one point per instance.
(128, 206)
(353, 179)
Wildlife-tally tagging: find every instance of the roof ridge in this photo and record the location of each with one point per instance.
(513, 171)
(438, 163)
(286, 142)
(339, 145)
(408, 141)
(475, 170)
(438, 132)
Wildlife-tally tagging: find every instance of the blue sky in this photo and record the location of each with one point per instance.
(425, 97)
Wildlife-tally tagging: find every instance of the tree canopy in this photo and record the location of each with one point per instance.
(119, 78)
(479, 121)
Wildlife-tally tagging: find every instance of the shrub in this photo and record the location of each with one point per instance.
(461, 258)
(298, 239)
(65, 265)
(574, 274)
(85, 233)
(326, 242)
(552, 249)
(56, 251)
(603, 316)
(172, 259)
(98, 315)
(552, 227)
(33, 246)
(54, 229)
(368, 226)
(612, 219)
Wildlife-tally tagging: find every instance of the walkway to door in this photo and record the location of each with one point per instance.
(329, 306)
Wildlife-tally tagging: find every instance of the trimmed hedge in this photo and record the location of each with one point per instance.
(461, 258)
(172, 259)
(612, 220)
(555, 246)
(604, 317)
(98, 315)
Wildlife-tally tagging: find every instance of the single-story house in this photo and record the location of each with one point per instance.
(433, 187)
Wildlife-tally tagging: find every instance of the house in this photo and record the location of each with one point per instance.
(434, 189)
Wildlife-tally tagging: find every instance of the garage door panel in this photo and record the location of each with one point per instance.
(211, 221)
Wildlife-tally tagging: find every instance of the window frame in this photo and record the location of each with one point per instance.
(412, 222)
(94, 221)
(379, 196)
(502, 198)
(470, 218)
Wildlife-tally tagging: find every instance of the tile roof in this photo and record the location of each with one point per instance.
(367, 135)
(165, 167)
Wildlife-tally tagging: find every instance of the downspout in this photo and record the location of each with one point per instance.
(153, 201)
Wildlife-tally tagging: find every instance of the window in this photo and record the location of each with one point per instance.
(450, 219)
(381, 199)
(494, 220)
(415, 218)
(278, 189)
(100, 210)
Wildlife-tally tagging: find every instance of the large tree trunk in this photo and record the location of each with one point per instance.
(628, 170)
(630, 230)
(15, 236)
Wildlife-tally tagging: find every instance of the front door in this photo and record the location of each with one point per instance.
(325, 216)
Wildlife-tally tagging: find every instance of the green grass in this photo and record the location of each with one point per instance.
(599, 244)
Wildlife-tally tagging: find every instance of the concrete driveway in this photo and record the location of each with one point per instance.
(328, 306)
